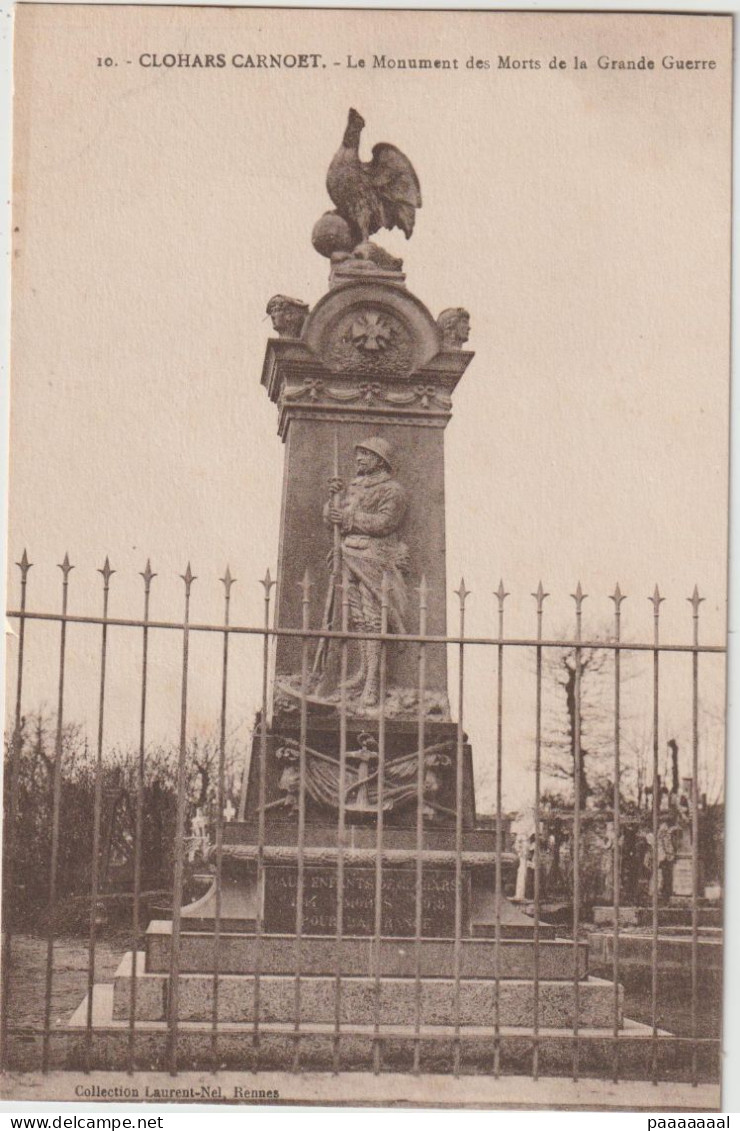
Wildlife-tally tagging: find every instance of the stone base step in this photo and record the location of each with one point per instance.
(472, 1003)
(668, 916)
(319, 955)
(236, 1048)
(686, 932)
(680, 916)
(674, 951)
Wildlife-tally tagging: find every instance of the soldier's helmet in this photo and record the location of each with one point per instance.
(379, 447)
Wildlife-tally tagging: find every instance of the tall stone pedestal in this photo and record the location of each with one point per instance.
(241, 896)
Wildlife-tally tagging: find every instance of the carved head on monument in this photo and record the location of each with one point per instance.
(454, 325)
(288, 315)
(373, 453)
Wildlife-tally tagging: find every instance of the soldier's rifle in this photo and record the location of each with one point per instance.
(320, 662)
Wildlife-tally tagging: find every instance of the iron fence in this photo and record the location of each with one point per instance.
(491, 1043)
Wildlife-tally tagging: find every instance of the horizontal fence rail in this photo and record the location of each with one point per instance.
(397, 638)
(491, 1043)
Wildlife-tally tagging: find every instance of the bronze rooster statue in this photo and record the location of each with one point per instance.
(369, 195)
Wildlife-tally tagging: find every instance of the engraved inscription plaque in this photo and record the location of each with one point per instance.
(398, 906)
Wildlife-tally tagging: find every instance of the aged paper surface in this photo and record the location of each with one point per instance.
(169, 167)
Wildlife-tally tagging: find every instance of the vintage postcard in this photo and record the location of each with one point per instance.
(365, 727)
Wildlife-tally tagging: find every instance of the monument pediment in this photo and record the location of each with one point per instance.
(372, 329)
(366, 345)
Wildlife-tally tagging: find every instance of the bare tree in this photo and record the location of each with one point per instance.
(578, 712)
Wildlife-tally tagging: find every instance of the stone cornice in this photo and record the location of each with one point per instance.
(281, 356)
(302, 386)
(361, 857)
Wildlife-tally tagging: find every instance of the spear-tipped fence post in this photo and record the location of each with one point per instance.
(695, 601)
(656, 601)
(379, 821)
(341, 814)
(188, 577)
(423, 591)
(227, 581)
(174, 985)
(106, 572)
(10, 846)
(579, 597)
(501, 596)
(66, 567)
(267, 584)
(148, 576)
(540, 596)
(305, 587)
(617, 597)
(462, 594)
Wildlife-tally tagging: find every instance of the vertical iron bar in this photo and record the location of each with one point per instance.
(656, 600)
(139, 830)
(10, 840)
(501, 596)
(267, 583)
(695, 600)
(341, 821)
(579, 596)
(462, 593)
(539, 596)
(377, 1048)
(617, 597)
(174, 981)
(56, 803)
(106, 572)
(227, 581)
(242, 808)
(420, 773)
(300, 880)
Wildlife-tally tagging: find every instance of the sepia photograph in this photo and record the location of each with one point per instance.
(367, 544)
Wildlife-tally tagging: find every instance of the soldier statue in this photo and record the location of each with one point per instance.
(368, 518)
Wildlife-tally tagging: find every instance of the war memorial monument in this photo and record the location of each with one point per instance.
(358, 918)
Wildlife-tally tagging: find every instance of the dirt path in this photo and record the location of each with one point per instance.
(69, 983)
